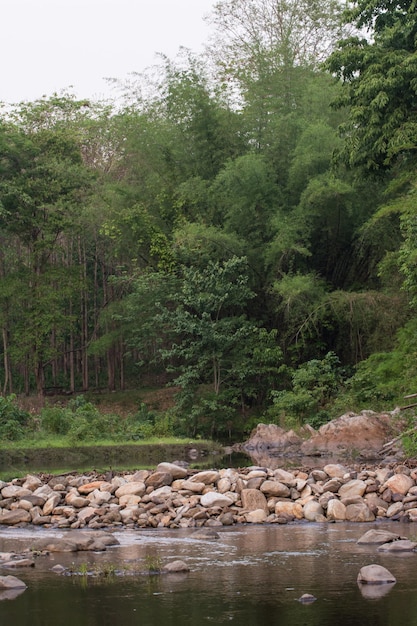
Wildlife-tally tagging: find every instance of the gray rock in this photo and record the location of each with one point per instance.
(366, 433)
(336, 511)
(375, 536)
(253, 499)
(335, 470)
(313, 512)
(212, 498)
(19, 563)
(275, 488)
(375, 575)
(176, 471)
(271, 437)
(307, 598)
(176, 567)
(256, 517)
(159, 479)
(359, 513)
(208, 477)
(402, 545)
(205, 533)
(11, 582)
(18, 516)
(352, 488)
(226, 519)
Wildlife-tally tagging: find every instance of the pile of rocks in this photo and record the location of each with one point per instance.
(174, 497)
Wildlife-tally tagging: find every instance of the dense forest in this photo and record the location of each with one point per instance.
(240, 225)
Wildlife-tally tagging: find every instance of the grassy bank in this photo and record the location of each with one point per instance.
(76, 434)
(78, 421)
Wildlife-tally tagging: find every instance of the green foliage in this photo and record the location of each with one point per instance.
(312, 156)
(314, 387)
(409, 443)
(405, 204)
(218, 356)
(81, 422)
(385, 377)
(379, 84)
(145, 424)
(56, 420)
(13, 420)
(87, 424)
(197, 244)
(247, 196)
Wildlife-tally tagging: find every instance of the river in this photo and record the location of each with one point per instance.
(249, 576)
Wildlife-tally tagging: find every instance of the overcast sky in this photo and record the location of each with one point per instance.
(50, 45)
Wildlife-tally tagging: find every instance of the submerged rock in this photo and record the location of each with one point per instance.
(176, 567)
(402, 545)
(375, 536)
(75, 541)
(307, 598)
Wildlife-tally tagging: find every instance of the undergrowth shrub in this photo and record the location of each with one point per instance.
(56, 420)
(13, 419)
(314, 388)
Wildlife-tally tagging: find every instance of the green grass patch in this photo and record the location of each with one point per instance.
(39, 443)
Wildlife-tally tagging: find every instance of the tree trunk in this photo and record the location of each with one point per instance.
(6, 359)
(84, 318)
(39, 378)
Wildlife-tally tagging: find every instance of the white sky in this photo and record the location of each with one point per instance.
(47, 46)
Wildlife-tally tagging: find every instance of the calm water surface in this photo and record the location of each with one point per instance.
(251, 575)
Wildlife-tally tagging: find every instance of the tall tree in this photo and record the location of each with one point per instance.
(378, 72)
(254, 34)
(221, 359)
(43, 181)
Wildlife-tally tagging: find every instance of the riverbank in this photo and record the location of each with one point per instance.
(173, 496)
(18, 461)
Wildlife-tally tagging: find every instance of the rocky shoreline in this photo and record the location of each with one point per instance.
(173, 496)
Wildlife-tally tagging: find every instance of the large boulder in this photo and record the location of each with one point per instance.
(269, 437)
(399, 483)
(375, 575)
(365, 433)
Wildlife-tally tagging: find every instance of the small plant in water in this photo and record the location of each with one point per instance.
(83, 569)
(107, 570)
(153, 564)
